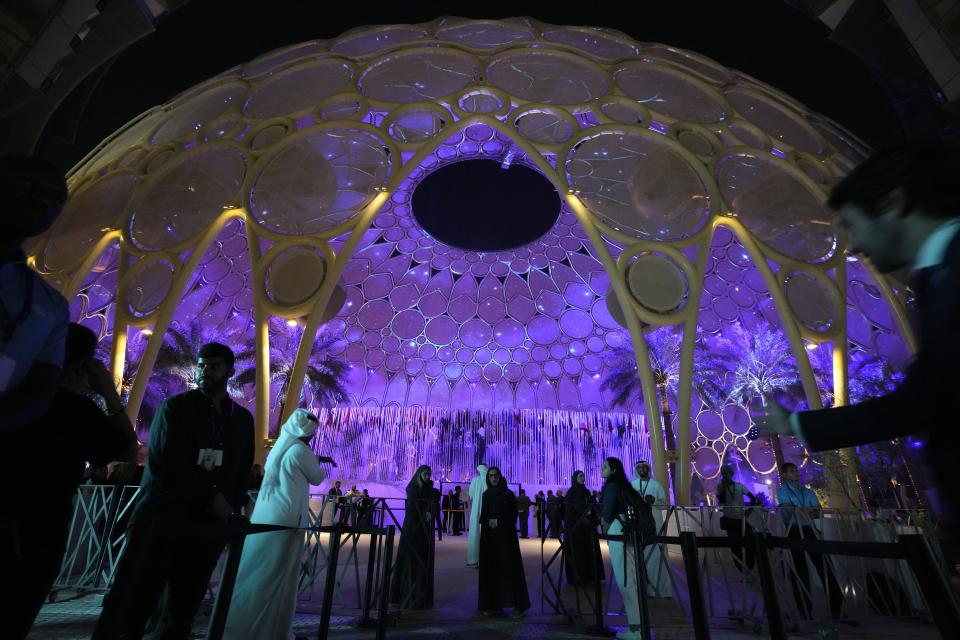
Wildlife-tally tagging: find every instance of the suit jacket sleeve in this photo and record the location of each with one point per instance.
(918, 405)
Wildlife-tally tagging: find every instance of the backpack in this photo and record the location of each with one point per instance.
(639, 517)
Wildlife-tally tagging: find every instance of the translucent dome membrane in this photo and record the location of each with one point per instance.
(253, 199)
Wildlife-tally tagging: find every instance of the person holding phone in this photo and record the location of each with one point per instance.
(265, 597)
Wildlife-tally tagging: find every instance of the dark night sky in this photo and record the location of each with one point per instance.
(764, 38)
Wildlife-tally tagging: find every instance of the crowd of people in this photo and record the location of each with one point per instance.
(898, 208)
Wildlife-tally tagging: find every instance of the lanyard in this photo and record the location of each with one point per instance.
(9, 325)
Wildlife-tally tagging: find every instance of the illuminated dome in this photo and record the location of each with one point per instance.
(686, 193)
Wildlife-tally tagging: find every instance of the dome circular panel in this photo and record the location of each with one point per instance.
(186, 196)
(297, 88)
(421, 75)
(294, 276)
(710, 425)
(484, 34)
(226, 126)
(706, 462)
(543, 127)
(375, 315)
(749, 135)
(736, 419)
(776, 206)
(280, 57)
(371, 41)
(552, 369)
(624, 111)
(576, 323)
(188, 117)
(810, 300)
(592, 41)
(480, 101)
(776, 119)
(146, 289)
(318, 181)
(699, 64)
(761, 456)
(475, 333)
(344, 107)
(547, 77)
(416, 126)
(268, 136)
(87, 216)
(639, 184)
(441, 330)
(543, 330)
(657, 283)
(669, 92)
(695, 142)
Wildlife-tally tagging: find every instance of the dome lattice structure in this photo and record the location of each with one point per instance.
(691, 195)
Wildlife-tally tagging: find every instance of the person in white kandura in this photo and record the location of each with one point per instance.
(477, 486)
(658, 572)
(265, 596)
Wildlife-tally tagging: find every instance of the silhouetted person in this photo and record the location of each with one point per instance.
(581, 557)
(798, 506)
(523, 513)
(501, 582)
(412, 586)
(201, 450)
(33, 315)
(74, 432)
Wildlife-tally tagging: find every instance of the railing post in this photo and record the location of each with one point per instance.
(768, 587)
(330, 581)
(371, 572)
(698, 610)
(385, 585)
(933, 583)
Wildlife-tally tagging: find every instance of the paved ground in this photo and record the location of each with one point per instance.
(454, 616)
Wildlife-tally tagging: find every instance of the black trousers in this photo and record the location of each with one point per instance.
(42, 542)
(541, 518)
(155, 564)
(738, 530)
(801, 580)
(524, 520)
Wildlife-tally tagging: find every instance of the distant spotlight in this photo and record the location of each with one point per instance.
(146, 332)
(769, 482)
(812, 346)
(292, 323)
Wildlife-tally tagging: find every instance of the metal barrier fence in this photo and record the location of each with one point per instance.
(871, 566)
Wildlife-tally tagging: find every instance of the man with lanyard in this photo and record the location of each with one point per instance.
(799, 506)
(201, 450)
(33, 315)
(658, 571)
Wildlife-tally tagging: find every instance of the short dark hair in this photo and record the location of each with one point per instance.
(80, 344)
(787, 466)
(926, 172)
(217, 350)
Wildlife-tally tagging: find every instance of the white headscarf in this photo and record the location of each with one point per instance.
(301, 423)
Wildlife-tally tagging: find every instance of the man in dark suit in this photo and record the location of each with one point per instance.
(201, 451)
(900, 209)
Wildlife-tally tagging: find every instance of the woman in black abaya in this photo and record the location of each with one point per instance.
(502, 580)
(581, 546)
(412, 584)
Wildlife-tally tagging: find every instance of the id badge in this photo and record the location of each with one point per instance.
(210, 459)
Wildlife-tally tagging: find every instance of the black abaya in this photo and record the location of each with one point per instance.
(581, 545)
(502, 580)
(412, 583)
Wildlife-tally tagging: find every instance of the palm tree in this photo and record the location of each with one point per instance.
(664, 348)
(765, 366)
(326, 376)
